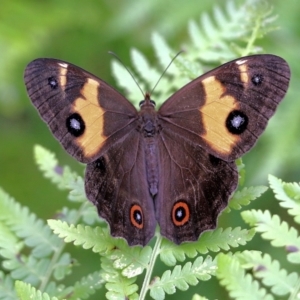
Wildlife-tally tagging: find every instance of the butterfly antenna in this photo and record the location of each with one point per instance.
(166, 69)
(117, 57)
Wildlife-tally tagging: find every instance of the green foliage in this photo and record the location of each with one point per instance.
(35, 258)
(266, 272)
(234, 35)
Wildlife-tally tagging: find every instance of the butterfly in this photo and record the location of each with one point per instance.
(174, 166)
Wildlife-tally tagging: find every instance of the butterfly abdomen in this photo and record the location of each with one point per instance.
(151, 155)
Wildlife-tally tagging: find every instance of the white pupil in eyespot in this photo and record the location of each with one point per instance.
(74, 124)
(237, 121)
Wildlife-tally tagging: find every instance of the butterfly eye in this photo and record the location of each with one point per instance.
(151, 101)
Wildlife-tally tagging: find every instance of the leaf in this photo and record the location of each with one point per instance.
(96, 238)
(288, 194)
(269, 271)
(271, 227)
(27, 292)
(240, 285)
(182, 277)
(131, 260)
(87, 286)
(245, 196)
(62, 177)
(210, 240)
(7, 291)
(118, 286)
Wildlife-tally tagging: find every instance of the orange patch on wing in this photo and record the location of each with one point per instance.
(244, 72)
(92, 114)
(214, 113)
(63, 75)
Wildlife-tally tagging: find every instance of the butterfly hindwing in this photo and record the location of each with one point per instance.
(116, 183)
(197, 187)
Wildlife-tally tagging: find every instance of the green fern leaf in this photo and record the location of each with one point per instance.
(86, 286)
(26, 225)
(142, 66)
(269, 271)
(27, 292)
(273, 229)
(240, 285)
(288, 194)
(209, 240)
(96, 238)
(182, 277)
(131, 260)
(63, 178)
(198, 297)
(7, 287)
(118, 286)
(245, 196)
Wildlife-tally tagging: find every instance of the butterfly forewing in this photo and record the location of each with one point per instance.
(227, 109)
(81, 110)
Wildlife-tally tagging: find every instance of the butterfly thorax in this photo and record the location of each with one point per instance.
(149, 129)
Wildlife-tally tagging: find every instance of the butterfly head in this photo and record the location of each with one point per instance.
(147, 102)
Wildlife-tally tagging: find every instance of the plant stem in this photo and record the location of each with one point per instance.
(149, 270)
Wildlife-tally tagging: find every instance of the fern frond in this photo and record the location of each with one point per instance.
(182, 277)
(7, 287)
(131, 260)
(25, 224)
(240, 285)
(87, 286)
(96, 238)
(118, 286)
(288, 195)
(271, 227)
(26, 291)
(62, 177)
(269, 271)
(211, 42)
(245, 196)
(210, 240)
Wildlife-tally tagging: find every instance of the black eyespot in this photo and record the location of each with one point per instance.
(75, 125)
(237, 122)
(138, 217)
(52, 82)
(101, 165)
(180, 214)
(257, 79)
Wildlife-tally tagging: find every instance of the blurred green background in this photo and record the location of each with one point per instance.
(82, 32)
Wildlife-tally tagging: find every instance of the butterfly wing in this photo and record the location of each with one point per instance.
(97, 125)
(227, 109)
(195, 187)
(205, 126)
(82, 111)
(116, 183)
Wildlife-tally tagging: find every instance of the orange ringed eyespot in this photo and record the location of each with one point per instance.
(180, 213)
(136, 216)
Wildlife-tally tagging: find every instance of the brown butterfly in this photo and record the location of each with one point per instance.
(174, 166)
